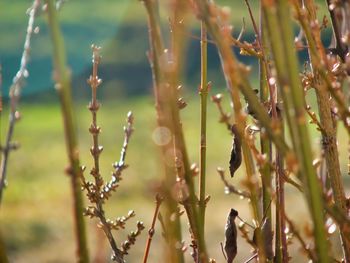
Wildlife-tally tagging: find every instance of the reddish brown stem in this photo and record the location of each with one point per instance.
(151, 231)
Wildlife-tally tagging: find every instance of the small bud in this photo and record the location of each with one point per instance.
(181, 103)
(217, 98)
(195, 170)
(36, 30)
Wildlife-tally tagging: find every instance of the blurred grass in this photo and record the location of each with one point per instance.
(36, 215)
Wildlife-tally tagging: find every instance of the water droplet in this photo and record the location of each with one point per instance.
(332, 228)
(272, 81)
(286, 230)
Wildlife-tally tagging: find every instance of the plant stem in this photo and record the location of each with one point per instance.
(63, 85)
(281, 239)
(290, 86)
(329, 141)
(96, 150)
(203, 92)
(15, 94)
(173, 229)
(152, 229)
(254, 199)
(166, 93)
(265, 143)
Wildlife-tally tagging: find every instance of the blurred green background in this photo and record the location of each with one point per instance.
(36, 218)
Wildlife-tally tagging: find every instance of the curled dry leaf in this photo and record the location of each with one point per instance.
(236, 152)
(231, 236)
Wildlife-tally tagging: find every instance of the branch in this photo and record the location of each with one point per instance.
(151, 231)
(15, 93)
(63, 84)
(229, 188)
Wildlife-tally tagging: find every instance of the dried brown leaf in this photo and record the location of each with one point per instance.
(236, 152)
(231, 236)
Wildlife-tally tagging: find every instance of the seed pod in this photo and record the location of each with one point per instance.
(231, 236)
(236, 152)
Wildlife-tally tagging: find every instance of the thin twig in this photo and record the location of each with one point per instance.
(246, 223)
(151, 231)
(251, 258)
(96, 150)
(98, 191)
(334, 12)
(314, 119)
(224, 117)
(242, 30)
(229, 187)
(15, 93)
(203, 93)
(120, 165)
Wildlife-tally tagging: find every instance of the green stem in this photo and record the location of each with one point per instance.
(164, 118)
(265, 142)
(290, 86)
(172, 79)
(265, 145)
(281, 239)
(254, 199)
(63, 85)
(203, 126)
